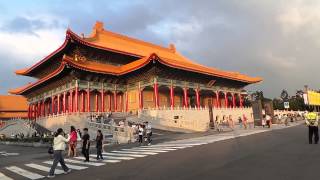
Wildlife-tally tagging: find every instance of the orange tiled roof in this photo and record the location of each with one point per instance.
(13, 103)
(103, 39)
(9, 115)
(121, 70)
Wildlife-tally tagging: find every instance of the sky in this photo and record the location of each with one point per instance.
(278, 40)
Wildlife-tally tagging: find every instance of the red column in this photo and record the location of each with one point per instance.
(58, 111)
(64, 102)
(52, 105)
(121, 102)
(185, 94)
(140, 99)
(88, 100)
(241, 102)
(110, 102)
(156, 94)
(82, 102)
(102, 100)
(198, 98)
(97, 105)
(29, 111)
(233, 101)
(43, 108)
(127, 101)
(217, 99)
(226, 99)
(171, 97)
(76, 99)
(71, 102)
(115, 101)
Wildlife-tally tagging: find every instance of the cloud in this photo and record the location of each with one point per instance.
(275, 39)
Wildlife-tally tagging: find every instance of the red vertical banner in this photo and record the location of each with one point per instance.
(110, 104)
(156, 94)
(43, 109)
(198, 98)
(171, 97)
(121, 103)
(71, 102)
(241, 101)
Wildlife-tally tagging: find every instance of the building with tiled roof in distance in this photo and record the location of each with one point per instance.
(107, 71)
(12, 107)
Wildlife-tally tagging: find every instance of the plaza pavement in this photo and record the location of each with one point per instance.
(119, 156)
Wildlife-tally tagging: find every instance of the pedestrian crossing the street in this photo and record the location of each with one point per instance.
(39, 170)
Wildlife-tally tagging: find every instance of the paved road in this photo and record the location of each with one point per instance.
(277, 154)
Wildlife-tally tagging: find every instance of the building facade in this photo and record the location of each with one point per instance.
(106, 71)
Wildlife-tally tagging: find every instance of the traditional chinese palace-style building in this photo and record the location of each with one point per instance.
(107, 72)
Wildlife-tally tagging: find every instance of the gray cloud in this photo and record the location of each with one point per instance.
(274, 39)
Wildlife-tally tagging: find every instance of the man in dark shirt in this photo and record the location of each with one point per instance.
(85, 144)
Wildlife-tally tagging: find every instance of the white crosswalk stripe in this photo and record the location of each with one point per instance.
(124, 154)
(145, 150)
(43, 168)
(25, 173)
(75, 167)
(84, 163)
(157, 148)
(135, 152)
(4, 177)
(104, 160)
(114, 157)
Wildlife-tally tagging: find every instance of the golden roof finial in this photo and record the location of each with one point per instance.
(172, 47)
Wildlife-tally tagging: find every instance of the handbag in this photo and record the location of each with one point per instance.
(50, 150)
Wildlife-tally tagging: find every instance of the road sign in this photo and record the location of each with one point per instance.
(286, 105)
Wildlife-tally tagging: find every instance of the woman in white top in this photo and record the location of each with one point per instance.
(59, 145)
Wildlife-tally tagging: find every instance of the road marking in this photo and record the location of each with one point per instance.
(43, 168)
(75, 167)
(102, 160)
(145, 150)
(4, 177)
(135, 152)
(114, 157)
(124, 154)
(24, 173)
(84, 163)
(170, 146)
(157, 148)
(10, 154)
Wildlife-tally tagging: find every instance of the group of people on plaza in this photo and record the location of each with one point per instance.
(143, 131)
(75, 136)
(228, 121)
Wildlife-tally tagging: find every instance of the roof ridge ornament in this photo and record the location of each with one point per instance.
(172, 47)
(98, 26)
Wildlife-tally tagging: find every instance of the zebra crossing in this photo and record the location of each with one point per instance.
(32, 170)
(5, 153)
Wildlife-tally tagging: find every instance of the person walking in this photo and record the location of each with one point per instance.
(312, 123)
(140, 133)
(149, 132)
(85, 144)
(244, 120)
(99, 140)
(240, 122)
(231, 123)
(59, 145)
(72, 152)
